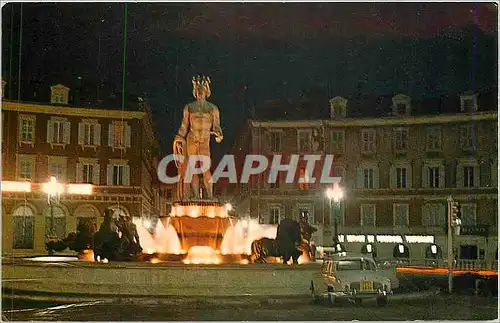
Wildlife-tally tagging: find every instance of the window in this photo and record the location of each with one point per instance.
(27, 129)
(433, 215)
(468, 178)
(401, 108)
(274, 214)
(338, 141)
(433, 173)
(275, 141)
(57, 167)
(338, 110)
(400, 215)
(467, 138)
(305, 140)
(368, 141)
(24, 228)
(368, 215)
(433, 139)
(401, 177)
(367, 177)
(339, 171)
(118, 174)
(58, 98)
(307, 210)
(468, 214)
(468, 103)
(55, 222)
(58, 131)
(338, 107)
(400, 139)
(88, 134)
(119, 134)
(303, 174)
(25, 167)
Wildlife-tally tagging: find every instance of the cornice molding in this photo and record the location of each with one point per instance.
(374, 122)
(71, 111)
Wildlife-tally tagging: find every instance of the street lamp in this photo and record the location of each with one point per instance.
(335, 196)
(54, 191)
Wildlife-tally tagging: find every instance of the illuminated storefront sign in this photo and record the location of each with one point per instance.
(389, 239)
(419, 239)
(355, 238)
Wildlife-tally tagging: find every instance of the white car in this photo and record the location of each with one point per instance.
(353, 277)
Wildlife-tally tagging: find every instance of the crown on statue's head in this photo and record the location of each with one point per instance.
(201, 82)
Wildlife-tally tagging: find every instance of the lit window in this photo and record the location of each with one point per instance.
(26, 169)
(27, 129)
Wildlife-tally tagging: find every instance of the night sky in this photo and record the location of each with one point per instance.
(253, 52)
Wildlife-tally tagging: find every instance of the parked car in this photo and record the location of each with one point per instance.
(354, 277)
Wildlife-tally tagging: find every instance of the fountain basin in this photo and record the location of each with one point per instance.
(80, 279)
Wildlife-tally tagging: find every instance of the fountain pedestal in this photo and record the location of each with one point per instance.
(199, 223)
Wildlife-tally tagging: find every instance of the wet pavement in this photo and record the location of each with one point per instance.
(436, 307)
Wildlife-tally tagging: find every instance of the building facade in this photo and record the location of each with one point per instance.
(397, 168)
(111, 149)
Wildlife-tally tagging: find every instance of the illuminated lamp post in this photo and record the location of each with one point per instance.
(54, 191)
(335, 196)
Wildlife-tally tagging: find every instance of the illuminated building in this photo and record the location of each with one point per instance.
(399, 159)
(113, 150)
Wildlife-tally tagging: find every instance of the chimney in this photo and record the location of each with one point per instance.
(59, 94)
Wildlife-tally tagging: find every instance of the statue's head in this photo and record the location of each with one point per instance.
(201, 87)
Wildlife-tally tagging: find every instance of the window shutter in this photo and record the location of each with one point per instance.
(409, 176)
(477, 176)
(359, 178)
(50, 131)
(67, 132)
(110, 175)
(97, 134)
(441, 177)
(96, 174)
(376, 179)
(460, 176)
(81, 133)
(111, 135)
(126, 175)
(127, 135)
(425, 176)
(393, 176)
(79, 173)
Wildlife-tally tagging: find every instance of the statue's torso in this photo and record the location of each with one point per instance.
(200, 120)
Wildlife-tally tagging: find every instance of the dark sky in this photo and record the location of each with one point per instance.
(253, 51)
